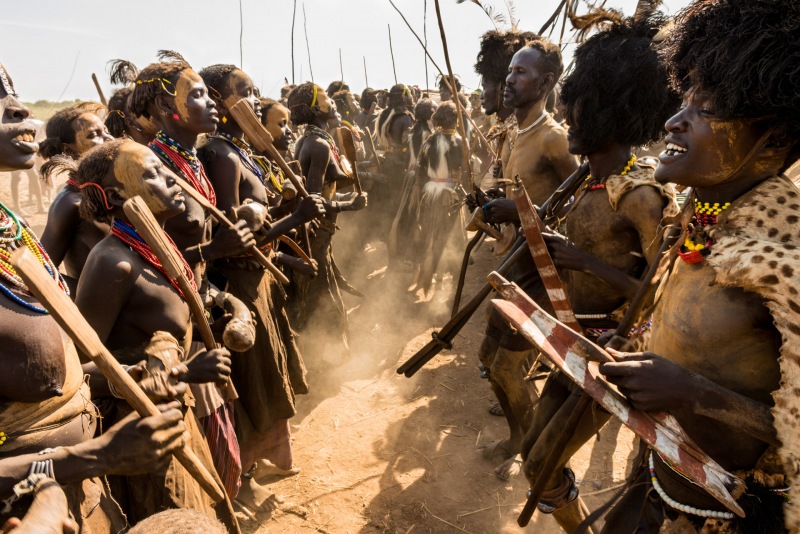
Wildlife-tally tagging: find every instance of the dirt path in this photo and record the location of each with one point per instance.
(381, 453)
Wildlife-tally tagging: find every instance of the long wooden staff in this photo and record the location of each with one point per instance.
(223, 219)
(444, 337)
(99, 90)
(142, 219)
(459, 109)
(366, 78)
(391, 51)
(446, 80)
(66, 314)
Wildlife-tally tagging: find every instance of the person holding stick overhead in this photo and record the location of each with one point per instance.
(271, 373)
(42, 383)
(124, 286)
(318, 301)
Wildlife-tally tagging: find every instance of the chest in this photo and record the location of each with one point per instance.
(191, 227)
(599, 230)
(723, 333)
(33, 354)
(251, 187)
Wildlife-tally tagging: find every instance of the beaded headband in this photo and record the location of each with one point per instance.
(163, 81)
(314, 100)
(6, 81)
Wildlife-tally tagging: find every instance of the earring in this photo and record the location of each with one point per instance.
(224, 119)
(163, 113)
(175, 116)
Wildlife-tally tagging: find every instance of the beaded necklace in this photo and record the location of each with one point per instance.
(450, 131)
(602, 184)
(244, 151)
(128, 235)
(22, 236)
(185, 163)
(697, 245)
(319, 132)
(275, 175)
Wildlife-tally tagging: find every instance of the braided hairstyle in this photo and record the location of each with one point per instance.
(744, 54)
(93, 167)
(59, 131)
(215, 77)
(117, 109)
(335, 87)
(157, 79)
(300, 100)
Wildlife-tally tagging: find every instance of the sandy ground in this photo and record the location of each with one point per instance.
(381, 453)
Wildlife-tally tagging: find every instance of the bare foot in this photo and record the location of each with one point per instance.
(256, 499)
(509, 468)
(497, 450)
(266, 472)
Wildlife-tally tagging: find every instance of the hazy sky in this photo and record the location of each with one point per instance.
(41, 41)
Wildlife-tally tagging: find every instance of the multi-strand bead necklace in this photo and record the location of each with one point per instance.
(602, 184)
(185, 163)
(21, 235)
(697, 245)
(128, 235)
(243, 150)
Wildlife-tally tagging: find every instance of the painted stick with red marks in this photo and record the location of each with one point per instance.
(577, 358)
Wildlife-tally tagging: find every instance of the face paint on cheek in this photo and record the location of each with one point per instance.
(275, 116)
(183, 88)
(324, 104)
(129, 169)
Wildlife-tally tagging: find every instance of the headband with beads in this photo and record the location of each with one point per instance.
(314, 100)
(163, 81)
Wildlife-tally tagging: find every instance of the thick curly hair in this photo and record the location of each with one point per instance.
(424, 110)
(619, 90)
(266, 105)
(60, 130)
(299, 101)
(744, 53)
(117, 109)
(445, 116)
(156, 79)
(496, 50)
(215, 77)
(401, 97)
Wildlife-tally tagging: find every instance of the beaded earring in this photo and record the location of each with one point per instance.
(224, 119)
(175, 116)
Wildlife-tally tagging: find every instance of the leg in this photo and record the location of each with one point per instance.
(487, 354)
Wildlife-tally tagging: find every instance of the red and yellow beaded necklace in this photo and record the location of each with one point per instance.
(185, 163)
(697, 245)
(602, 184)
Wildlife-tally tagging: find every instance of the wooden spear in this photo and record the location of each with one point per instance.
(366, 78)
(460, 110)
(391, 51)
(294, 16)
(99, 89)
(308, 48)
(69, 318)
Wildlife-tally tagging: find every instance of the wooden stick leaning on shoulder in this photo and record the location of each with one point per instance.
(223, 219)
(72, 322)
(142, 219)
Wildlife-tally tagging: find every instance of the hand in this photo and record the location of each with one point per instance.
(356, 204)
(501, 210)
(300, 266)
(208, 366)
(565, 254)
(496, 192)
(140, 445)
(164, 386)
(611, 341)
(231, 241)
(650, 382)
(48, 513)
(310, 208)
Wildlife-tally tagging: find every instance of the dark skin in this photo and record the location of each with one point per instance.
(34, 354)
(191, 230)
(121, 289)
(319, 166)
(544, 162)
(492, 99)
(726, 351)
(234, 182)
(67, 237)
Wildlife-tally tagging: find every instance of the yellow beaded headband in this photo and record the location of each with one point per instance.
(314, 100)
(163, 81)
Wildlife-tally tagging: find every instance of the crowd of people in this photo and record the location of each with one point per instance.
(716, 345)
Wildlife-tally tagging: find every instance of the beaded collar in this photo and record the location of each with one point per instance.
(272, 172)
(602, 183)
(243, 150)
(22, 236)
(697, 245)
(128, 235)
(184, 162)
(319, 132)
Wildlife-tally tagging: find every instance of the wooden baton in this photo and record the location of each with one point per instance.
(67, 315)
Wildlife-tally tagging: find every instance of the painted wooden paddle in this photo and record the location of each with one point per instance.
(577, 358)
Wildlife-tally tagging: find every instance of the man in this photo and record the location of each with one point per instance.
(541, 158)
(613, 224)
(725, 322)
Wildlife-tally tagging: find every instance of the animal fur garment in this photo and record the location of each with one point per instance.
(757, 248)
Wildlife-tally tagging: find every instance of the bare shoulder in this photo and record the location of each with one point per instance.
(65, 205)
(113, 262)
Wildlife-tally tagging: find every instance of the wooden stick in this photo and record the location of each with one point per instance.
(66, 314)
(463, 272)
(296, 248)
(391, 51)
(142, 219)
(460, 110)
(294, 16)
(308, 48)
(366, 78)
(99, 89)
(349, 147)
(223, 219)
(341, 67)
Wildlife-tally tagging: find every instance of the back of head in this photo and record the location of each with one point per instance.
(302, 102)
(446, 116)
(496, 50)
(400, 96)
(744, 55)
(337, 86)
(618, 91)
(368, 97)
(117, 109)
(178, 521)
(424, 109)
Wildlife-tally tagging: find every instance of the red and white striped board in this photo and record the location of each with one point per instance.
(577, 358)
(532, 227)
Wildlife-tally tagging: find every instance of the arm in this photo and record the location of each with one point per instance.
(315, 157)
(653, 383)
(62, 224)
(223, 169)
(104, 288)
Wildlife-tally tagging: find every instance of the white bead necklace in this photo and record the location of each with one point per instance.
(537, 121)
